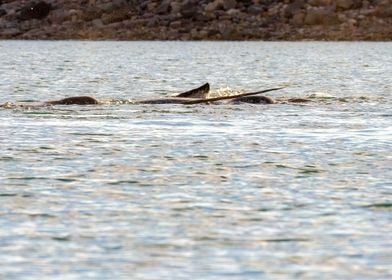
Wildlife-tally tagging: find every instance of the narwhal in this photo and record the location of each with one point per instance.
(197, 95)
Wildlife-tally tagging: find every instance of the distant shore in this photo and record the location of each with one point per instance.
(197, 20)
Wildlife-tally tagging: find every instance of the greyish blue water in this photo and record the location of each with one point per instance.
(122, 191)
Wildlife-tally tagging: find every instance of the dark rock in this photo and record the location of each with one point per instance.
(35, 11)
(175, 7)
(176, 24)
(107, 7)
(246, 3)
(213, 6)
(255, 9)
(90, 14)
(164, 8)
(168, 18)
(2, 12)
(321, 17)
(384, 10)
(229, 4)
(387, 12)
(201, 18)
(344, 4)
(97, 23)
(293, 8)
(298, 18)
(229, 32)
(212, 32)
(115, 16)
(319, 3)
(10, 32)
(189, 8)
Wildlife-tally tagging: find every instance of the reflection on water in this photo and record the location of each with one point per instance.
(203, 192)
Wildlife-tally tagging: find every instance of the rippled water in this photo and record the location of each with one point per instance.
(122, 191)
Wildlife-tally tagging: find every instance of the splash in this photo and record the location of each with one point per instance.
(226, 91)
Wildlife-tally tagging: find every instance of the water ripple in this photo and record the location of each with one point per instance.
(204, 192)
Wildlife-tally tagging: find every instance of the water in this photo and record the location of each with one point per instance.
(122, 191)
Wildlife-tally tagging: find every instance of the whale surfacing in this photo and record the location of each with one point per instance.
(76, 100)
(181, 98)
(195, 96)
(200, 92)
(254, 99)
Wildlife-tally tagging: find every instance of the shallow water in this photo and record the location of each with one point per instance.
(122, 191)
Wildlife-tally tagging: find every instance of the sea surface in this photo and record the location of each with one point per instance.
(245, 191)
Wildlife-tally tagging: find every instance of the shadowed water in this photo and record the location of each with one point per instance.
(124, 191)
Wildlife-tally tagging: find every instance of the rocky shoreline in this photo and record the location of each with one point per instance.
(196, 20)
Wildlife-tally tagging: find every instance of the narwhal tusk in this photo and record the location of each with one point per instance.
(199, 101)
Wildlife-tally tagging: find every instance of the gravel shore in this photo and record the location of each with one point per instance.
(197, 20)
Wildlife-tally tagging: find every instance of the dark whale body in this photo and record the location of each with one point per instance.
(77, 100)
(200, 92)
(182, 98)
(195, 96)
(254, 99)
(199, 95)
